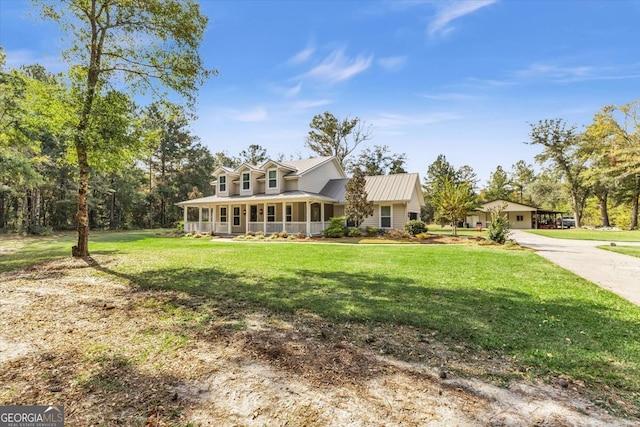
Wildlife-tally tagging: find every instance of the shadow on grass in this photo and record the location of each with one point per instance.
(578, 338)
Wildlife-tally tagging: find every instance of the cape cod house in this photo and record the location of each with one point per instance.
(297, 197)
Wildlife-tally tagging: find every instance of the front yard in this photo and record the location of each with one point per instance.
(180, 331)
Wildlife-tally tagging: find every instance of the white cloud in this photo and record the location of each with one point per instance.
(307, 104)
(258, 114)
(556, 72)
(19, 57)
(452, 11)
(451, 96)
(394, 120)
(301, 56)
(337, 67)
(392, 63)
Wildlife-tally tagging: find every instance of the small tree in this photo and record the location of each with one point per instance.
(453, 201)
(499, 229)
(357, 207)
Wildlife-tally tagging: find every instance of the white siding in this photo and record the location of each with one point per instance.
(524, 224)
(399, 216)
(290, 185)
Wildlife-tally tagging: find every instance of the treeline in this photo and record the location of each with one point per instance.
(593, 174)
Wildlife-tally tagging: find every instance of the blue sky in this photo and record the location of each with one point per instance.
(459, 78)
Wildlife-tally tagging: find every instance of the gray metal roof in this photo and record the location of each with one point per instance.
(303, 166)
(380, 188)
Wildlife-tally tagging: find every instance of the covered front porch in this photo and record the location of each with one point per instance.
(307, 217)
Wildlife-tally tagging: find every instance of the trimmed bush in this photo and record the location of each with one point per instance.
(336, 227)
(415, 227)
(355, 232)
(371, 231)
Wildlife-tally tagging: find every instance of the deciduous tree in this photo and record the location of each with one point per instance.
(330, 136)
(357, 208)
(152, 45)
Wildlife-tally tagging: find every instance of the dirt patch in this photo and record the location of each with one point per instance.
(72, 334)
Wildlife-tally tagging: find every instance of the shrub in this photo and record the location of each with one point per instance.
(371, 231)
(396, 234)
(180, 226)
(336, 227)
(423, 236)
(250, 233)
(355, 232)
(260, 234)
(300, 235)
(415, 227)
(499, 229)
(283, 234)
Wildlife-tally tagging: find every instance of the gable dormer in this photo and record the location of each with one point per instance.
(248, 179)
(274, 173)
(224, 180)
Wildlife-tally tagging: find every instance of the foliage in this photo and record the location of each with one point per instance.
(498, 187)
(142, 43)
(336, 227)
(453, 201)
(521, 177)
(354, 232)
(371, 231)
(415, 227)
(357, 208)
(396, 234)
(560, 146)
(254, 155)
(499, 228)
(330, 136)
(379, 161)
(437, 172)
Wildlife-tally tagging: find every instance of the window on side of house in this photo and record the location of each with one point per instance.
(271, 213)
(236, 215)
(519, 217)
(289, 213)
(246, 181)
(273, 178)
(222, 183)
(385, 216)
(253, 213)
(223, 214)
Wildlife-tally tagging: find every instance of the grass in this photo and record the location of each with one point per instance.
(448, 231)
(626, 250)
(586, 234)
(512, 303)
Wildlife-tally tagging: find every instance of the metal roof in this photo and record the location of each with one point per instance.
(379, 188)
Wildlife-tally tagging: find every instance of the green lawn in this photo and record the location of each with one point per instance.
(448, 231)
(584, 234)
(627, 250)
(511, 303)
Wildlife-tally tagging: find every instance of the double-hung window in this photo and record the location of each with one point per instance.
(385, 216)
(273, 178)
(222, 183)
(223, 214)
(236, 216)
(289, 213)
(246, 181)
(271, 213)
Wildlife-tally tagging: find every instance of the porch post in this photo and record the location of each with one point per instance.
(264, 218)
(213, 219)
(322, 214)
(229, 219)
(246, 214)
(284, 216)
(308, 212)
(200, 218)
(186, 208)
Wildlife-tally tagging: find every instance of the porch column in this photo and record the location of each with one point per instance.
(229, 219)
(264, 218)
(200, 218)
(186, 208)
(246, 214)
(308, 212)
(284, 216)
(322, 214)
(213, 219)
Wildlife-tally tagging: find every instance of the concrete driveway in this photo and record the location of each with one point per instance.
(616, 272)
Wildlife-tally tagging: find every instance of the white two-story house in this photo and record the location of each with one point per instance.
(297, 197)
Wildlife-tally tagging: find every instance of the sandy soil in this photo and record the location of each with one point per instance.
(72, 334)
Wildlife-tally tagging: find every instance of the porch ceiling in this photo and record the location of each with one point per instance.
(289, 196)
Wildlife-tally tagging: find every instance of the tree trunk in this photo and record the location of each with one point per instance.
(112, 207)
(634, 211)
(604, 213)
(82, 216)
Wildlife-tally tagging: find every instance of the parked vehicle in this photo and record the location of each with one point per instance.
(566, 222)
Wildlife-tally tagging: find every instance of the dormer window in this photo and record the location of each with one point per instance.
(273, 178)
(246, 181)
(222, 183)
